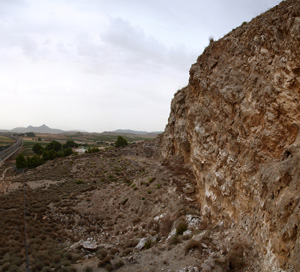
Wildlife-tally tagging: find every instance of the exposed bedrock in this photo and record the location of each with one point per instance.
(236, 125)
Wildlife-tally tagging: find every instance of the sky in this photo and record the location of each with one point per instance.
(99, 65)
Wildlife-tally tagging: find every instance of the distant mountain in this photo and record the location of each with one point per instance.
(129, 131)
(40, 129)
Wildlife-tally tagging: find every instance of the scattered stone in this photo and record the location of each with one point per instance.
(189, 269)
(172, 234)
(142, 243)
(189, 189)
(90, 245)
(187, 233)
(193, 220)
(77, 245)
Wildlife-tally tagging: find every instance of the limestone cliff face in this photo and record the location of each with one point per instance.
(237, 125)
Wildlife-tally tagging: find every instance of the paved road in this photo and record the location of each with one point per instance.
(8, 152)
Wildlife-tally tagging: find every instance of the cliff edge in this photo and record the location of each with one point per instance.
(236, 125)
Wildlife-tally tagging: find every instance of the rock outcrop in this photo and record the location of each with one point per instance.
(236, 125)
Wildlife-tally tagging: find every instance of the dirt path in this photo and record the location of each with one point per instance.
(3, 174)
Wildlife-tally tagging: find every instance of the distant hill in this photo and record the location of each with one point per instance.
(40, 129)
(129, 131)
(45, 129)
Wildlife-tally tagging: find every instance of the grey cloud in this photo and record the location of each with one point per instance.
(126, 47)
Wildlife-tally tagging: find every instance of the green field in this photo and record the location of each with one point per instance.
(6, 139)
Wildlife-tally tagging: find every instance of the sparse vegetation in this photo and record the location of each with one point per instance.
(181, 227)
(21, 161)
(174, 240)
(148, 244)
(124, 201)
(92, 150)
(192, 244)
(150, 180)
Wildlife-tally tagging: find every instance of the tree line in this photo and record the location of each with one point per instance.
(51, 151)
(55, 150)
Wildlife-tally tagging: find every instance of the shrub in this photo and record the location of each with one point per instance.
(92, 150)
(5, 266)
(192, 244)
(148, 244)
(118, 264)
(112, 178)
(131, 243)
(68, 255)
(121, 142)
(150, 180)
(21, 161)
(34, 161)
(79, 181)
(14, 268)
(109, 267)
(158, 186)
(38, 149)
(181, 228)
(54, 145)
(124, 201)
(104, 262)
(149, 192)
(114, 251)
(174, 240)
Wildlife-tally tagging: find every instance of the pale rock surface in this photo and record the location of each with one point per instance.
(236, 125)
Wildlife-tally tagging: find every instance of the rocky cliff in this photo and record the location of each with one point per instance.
(236, 125)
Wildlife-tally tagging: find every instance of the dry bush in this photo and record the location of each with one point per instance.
(108, 267)
(105, 261)
(114, 251)
(125, 252)
(192, 244)
(131, 243)
(174, 240)
(165, 226)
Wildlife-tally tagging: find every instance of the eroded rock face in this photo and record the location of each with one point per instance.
(237, 125)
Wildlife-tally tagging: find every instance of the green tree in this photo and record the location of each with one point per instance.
(54, 145)
(38, 149)
(46, 155)
(34, 161)
(21, 161)
(121, 141)
(30, 134)
(70, 143)
(52, 154)
(67, 152)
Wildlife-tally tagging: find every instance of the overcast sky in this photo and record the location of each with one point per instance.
(99, 65)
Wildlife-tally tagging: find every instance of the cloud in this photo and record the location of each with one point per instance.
(125, 49)
(104, 64)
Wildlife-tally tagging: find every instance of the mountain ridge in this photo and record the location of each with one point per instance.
(45, 129)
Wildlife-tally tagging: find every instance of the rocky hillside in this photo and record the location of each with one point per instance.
(236, 125)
